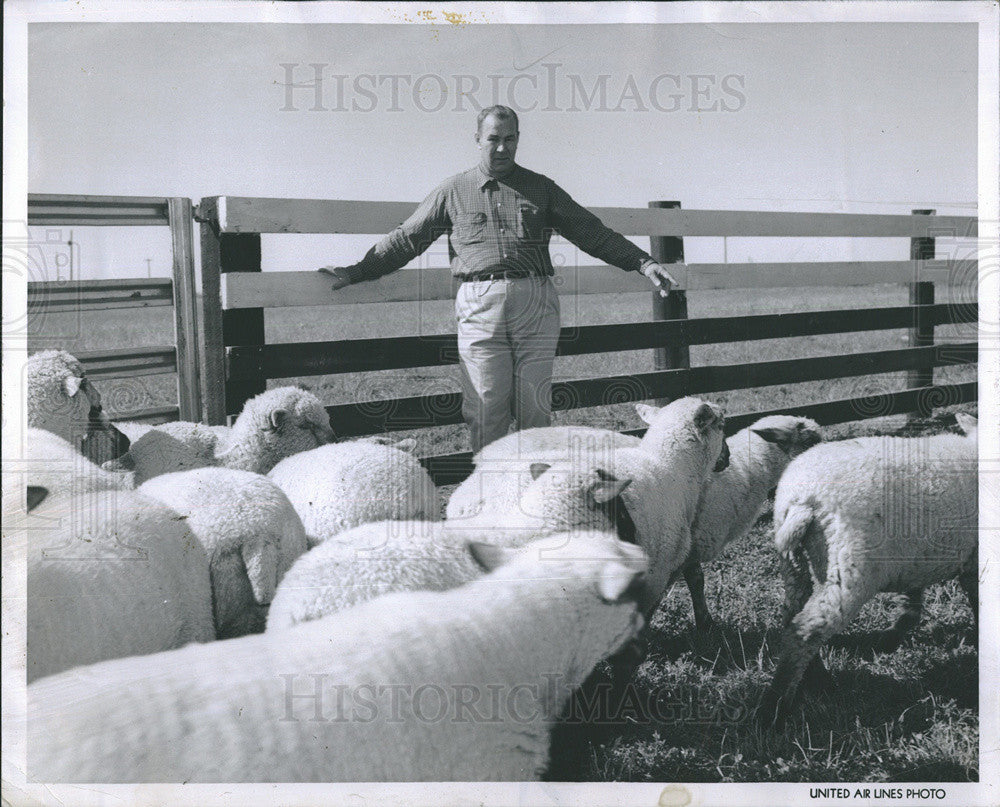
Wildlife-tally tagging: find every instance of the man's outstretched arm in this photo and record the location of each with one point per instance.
(581, 227)
(428, 222)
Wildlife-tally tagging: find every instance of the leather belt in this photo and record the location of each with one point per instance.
(506, 275)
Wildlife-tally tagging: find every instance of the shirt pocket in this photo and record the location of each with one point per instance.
(469, 228)
(529, 222)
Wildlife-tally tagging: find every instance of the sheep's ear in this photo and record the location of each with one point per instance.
(615, 580)
(71, 385)
(261, 561)
(780, 437)
(966, 422)
(646, 412)
(723, 460)
(705, 417)
(607, 489)
(36, 495)
(279, 417)
(538, 468)
(488, 556)
(408, 444)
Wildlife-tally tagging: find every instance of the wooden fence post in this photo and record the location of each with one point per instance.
(222, 253)
(185, 310)
(922, 332)
(667, 250)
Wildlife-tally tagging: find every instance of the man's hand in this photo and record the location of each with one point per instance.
(340, 278)
(660, 277)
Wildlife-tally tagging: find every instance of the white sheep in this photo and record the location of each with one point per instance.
(668, 468)
(165, 449)
(732, 498)
(109, 574)
(48, 467)
(341, 485)
(61, 400)
(381, 557)
(249, 530)
(857, 517)
(274, 425)
(432, 686)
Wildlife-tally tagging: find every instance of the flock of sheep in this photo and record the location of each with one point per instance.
(260, 603)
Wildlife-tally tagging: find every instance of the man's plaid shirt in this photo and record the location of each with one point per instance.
(497, 225)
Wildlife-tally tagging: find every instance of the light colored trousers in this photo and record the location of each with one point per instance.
(507, 336)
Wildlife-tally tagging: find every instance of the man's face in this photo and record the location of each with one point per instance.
(497, 141)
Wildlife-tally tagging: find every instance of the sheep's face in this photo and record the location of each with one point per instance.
(58, 399)
(709, 423)
(290, 419)
(63, 401)
(313, 418)
(563, 497)
(289, 434)
(604, 576)
(683, 421)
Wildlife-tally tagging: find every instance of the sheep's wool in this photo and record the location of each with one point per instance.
(375, 693)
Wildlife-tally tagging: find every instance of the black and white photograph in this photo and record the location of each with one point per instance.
(501, 403)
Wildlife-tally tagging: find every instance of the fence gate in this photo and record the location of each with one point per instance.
(95, 295)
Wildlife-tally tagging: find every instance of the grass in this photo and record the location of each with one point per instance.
(910, 715)
(686, 716)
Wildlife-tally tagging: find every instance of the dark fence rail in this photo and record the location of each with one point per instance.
(292, 359)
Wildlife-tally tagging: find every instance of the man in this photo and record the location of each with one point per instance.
(499, 217)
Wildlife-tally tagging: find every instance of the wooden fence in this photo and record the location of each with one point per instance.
(236, 292)
(95, 295)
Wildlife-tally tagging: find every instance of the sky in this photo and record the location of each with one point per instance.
(838, 117)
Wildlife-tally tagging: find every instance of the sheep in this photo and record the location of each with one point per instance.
(112, 574)
(274, 425)
(668, 468)
(61, 400)
(341, 485)
(732, 498)
(249, 530)
(109, 573)
(377, 558)
(49, 466)
(862, 516)
(430, 686)
(167, 448)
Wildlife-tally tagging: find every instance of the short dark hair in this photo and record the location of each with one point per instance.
(500, 113)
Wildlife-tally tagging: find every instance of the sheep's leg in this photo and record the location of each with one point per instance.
(695, 579)
(798, 585)
(817, 677)
(969, 582)
(826, 613)
(908, 619)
